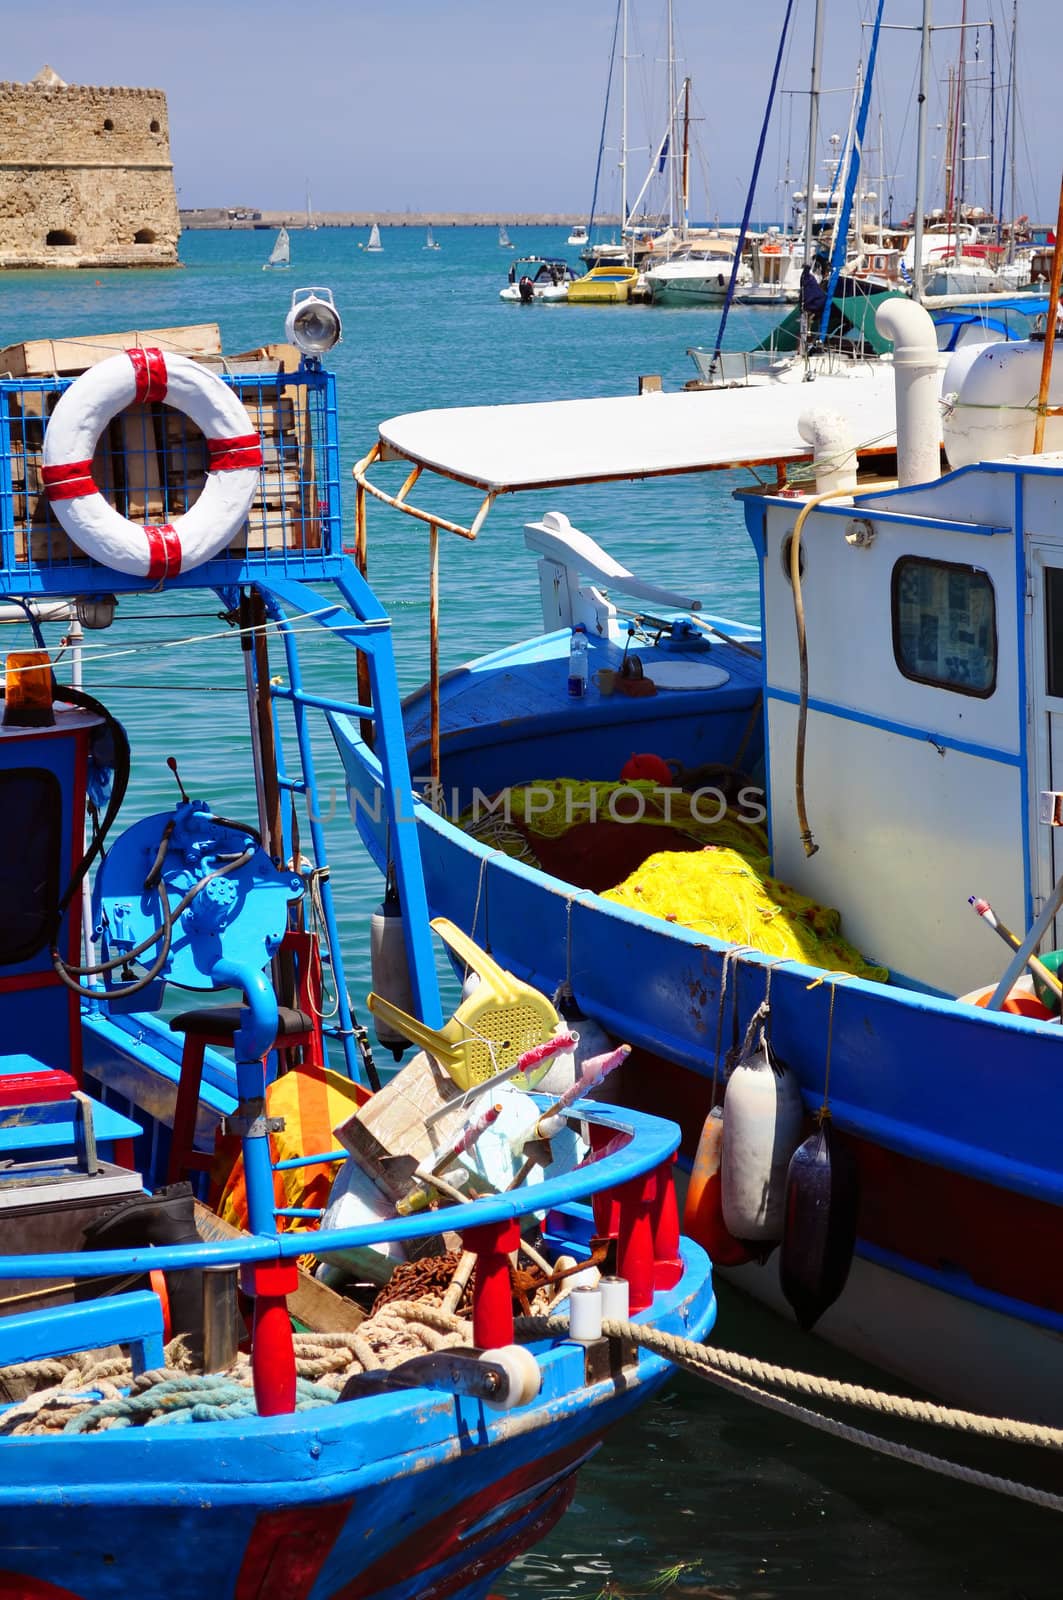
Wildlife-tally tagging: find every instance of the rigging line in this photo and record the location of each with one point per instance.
(99, 651)
(605, 116)
(153, 645)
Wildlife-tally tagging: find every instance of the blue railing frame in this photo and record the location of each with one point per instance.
(652, 1143)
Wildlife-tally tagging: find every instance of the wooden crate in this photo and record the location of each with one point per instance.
(40, 358)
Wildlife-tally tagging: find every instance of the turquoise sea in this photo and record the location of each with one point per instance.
(701, 1494)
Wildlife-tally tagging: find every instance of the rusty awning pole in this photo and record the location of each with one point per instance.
(1050, 333)
(433, 645)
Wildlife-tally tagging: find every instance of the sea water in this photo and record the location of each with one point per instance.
(700, 1493)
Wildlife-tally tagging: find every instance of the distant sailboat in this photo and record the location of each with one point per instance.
(311, 224)
(430, 240)
(279, 255)
(374, 239)
(503, 237)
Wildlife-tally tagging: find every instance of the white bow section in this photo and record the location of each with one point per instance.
(565, 554)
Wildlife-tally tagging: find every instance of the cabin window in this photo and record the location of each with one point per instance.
(944, 625)
(31, 805)
(1054, 631)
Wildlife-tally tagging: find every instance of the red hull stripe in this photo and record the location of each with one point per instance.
(228, 455)
(149, 370)
(164, 551)
(68, 480)
(287, 1550)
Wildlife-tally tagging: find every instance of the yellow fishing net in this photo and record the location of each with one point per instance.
(551, 808)
(720, 893)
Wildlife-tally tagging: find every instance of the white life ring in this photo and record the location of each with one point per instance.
(139, 377)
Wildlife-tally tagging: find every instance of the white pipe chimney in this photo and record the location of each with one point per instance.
(916, 369)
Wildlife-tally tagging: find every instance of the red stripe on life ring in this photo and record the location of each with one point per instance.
(68, 480)
(149, 369)
(229, 455)
(164, 551)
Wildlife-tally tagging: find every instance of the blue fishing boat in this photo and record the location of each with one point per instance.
(892, 723)
(165, 1170)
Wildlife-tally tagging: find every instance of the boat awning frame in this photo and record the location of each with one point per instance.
(512, 449)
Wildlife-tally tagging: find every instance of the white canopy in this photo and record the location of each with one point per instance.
(507, 448)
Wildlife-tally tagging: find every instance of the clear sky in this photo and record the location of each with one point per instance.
(496, 105)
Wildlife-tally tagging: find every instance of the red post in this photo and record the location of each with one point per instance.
(634, 1254)
(668, 1263)
(492, 1300)
(272, 1350)
(605, 1204)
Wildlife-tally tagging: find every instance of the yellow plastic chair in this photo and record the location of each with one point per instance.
(490, 1030)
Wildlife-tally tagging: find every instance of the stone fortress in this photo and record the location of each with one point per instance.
(86, 178)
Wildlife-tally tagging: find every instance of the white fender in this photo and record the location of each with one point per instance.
(763, 1116)
(142, 377)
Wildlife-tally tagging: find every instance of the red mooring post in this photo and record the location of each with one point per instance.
(634, 1252)
(272, 1349)
(492, 1300)
(605, 1205)
(668, 1263)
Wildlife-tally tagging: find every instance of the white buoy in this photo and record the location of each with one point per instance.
(763, 1115)
(390, 968)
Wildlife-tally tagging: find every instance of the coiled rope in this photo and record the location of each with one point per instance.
(89, 1395)
(745, 1375)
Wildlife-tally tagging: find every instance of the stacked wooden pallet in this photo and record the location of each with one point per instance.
(151, 462)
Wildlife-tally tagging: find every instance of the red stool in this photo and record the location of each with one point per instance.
(298, 1037)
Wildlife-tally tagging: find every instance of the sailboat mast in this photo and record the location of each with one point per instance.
(623, 125)
(1012, 103)
(671, 119)
(813, 129)
(686, 156)
(920, 153)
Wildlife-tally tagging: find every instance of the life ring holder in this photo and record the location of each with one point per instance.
(145, 377)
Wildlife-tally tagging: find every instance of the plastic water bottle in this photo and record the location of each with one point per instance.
(577, 662)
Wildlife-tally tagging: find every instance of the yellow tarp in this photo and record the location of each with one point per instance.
(721, 893)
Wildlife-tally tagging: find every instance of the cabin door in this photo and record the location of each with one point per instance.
(1045, 622)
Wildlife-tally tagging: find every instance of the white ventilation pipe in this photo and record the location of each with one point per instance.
(916, 368)
(834, 454)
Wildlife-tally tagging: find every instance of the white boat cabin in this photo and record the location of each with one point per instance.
(935, 710)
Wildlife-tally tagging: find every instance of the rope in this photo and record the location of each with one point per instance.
(744, 1375)
(94, 1395)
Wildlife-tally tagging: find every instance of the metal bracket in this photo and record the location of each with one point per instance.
(252, 1127)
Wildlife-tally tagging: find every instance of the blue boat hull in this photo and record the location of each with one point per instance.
(952, 1115)
(424, 1495)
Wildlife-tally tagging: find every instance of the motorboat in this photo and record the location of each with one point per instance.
(538, 280)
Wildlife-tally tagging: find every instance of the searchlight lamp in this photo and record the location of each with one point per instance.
(313, 323)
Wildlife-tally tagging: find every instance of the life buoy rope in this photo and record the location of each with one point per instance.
(146, 377)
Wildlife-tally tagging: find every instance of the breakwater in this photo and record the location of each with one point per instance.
(244, 217)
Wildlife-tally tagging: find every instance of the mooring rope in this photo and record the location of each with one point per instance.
(745, 1375)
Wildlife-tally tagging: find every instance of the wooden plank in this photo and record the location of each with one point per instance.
(140, 456)
(314, 1304)
(39, 358)
(388, 1136)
